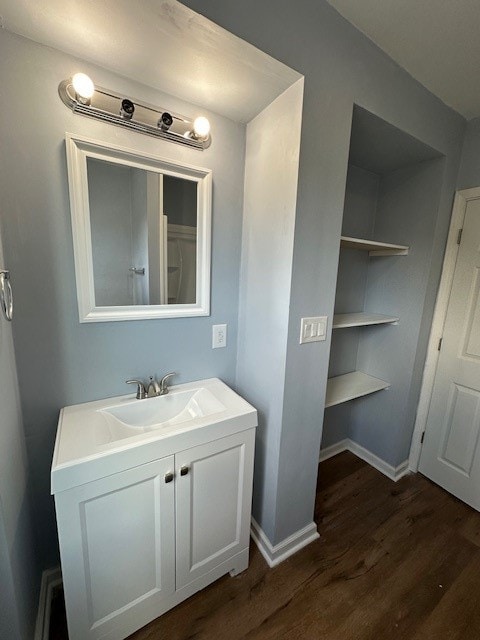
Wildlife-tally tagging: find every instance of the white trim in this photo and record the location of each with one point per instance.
(51, 578)
(394, 473)
(333, 450)
(275, 554)
(458, 214)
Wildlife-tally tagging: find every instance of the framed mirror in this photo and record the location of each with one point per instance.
(141, 233)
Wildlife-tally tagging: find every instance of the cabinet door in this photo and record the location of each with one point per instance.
(213, 498)
(117, 549)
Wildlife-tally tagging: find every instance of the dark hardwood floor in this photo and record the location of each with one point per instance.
(399, 561)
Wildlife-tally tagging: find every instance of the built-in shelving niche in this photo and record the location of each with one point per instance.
(356, 384)
(373, 242)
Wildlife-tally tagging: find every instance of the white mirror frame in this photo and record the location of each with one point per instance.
(78, 150)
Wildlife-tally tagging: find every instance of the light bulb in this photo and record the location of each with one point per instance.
(201, 128)
(83, 85)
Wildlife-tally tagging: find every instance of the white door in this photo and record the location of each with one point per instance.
(117, 545)
(214, 495)
(450, 454)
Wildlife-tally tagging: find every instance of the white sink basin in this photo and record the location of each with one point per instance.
(99, 438)
(163, 411)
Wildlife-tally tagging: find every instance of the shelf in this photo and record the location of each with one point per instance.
(374, 248)
(361, 319)
(350, 386)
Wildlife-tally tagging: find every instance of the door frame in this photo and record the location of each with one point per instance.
(462, 198)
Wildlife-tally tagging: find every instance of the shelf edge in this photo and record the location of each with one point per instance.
(380, 387)
(369, 323)
(374, 247)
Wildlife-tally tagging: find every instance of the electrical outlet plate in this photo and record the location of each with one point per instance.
(219, 336)
(313, 329)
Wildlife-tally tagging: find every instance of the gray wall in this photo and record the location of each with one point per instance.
(358, 221)
(406, 213)
(19, 576)
(271, 173)
(469, 173)
(8, 609)
(110, 201)
(60, 361)
(180, 201)
(341, 67)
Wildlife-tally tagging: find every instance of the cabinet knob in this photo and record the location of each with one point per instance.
(169, 477)
(184, 471)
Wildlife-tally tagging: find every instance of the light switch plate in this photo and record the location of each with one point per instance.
(313, 329)
(219, 336)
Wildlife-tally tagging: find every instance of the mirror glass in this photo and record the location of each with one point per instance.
(144, 235)
(141, 233)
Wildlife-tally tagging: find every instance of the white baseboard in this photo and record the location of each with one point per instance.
(334, 449)
(51, 578)
(394, 473)
(274, 554)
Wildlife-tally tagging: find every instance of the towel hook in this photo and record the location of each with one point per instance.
(6, 295)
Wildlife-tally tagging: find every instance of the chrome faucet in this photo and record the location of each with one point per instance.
(141, 391)
(164, 385)
(153, 389)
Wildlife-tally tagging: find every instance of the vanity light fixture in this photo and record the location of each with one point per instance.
(165, 121)
(80, 94)
(84, 88)
(127, 109)
(201, 128)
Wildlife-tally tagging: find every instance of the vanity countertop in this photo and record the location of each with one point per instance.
(92, 442)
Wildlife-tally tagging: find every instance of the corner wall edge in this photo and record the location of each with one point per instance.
(394, 473)
(275, 554)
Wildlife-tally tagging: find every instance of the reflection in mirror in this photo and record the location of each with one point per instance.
(144, 235)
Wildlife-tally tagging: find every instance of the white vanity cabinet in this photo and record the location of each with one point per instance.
(138, 541)
(117, 546)
(213, 506)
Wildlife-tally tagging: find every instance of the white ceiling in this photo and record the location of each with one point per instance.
(436, 41)
(167, 46)
(160, 43)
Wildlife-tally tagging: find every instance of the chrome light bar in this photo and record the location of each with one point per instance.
(114, 108)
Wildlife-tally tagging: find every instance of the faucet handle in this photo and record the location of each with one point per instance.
(141, 393)
(163, 382)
